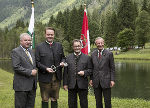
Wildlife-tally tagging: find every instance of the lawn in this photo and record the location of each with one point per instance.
(7, 96)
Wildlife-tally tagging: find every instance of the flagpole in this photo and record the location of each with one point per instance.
(33, 37)
(32, 3)
(84, 6)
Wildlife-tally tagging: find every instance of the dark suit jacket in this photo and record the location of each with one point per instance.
(103, 69)
(70, 76)
(23, 80)
(45, 59)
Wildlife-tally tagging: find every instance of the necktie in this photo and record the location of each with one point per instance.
(99, 54)
(27, 52)
(50, 44)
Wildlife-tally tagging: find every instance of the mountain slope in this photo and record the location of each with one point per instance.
(13, 10)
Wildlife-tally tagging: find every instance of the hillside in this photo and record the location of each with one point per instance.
(12, 10)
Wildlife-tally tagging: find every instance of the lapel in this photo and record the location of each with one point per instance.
(33, 58)
(22, 52)
(96, 56)
(72, 59)
(102, 57)
(54, 48)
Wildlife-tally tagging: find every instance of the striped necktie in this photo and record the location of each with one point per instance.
(28, 54)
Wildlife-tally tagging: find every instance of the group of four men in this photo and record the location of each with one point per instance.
(49, 59)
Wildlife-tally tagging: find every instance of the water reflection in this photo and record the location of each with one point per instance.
(132, 78)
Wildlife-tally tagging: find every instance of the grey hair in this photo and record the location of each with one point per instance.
(76, 40)
(98, 38)
(23, 34)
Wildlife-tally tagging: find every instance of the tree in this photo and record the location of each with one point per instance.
(126, 39)
(66, 24)
(59, 19)
(142, 28)
(73, 30)
(51, 21)
(94, 31)
(20, 23)
(111, 30)
(1, 42)
(94, 26)
(149, 8)
(126, 14)
(144, 6)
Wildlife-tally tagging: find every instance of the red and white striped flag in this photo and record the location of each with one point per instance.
(85, 35)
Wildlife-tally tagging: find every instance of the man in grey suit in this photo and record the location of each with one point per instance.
(24, 83)
(103, 73)
(75, 78)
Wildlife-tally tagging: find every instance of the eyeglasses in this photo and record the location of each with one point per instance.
(77, 46)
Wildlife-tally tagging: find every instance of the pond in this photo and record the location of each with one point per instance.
(132, 78)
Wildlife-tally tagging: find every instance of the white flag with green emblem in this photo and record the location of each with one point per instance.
(31, 28)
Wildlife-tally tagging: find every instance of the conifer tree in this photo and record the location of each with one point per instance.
(144, 6)
(66, 24)
(59, 19)
(111, 30)
(51, 21)
(126, 14)
(142, 28)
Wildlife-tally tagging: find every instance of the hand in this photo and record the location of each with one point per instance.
(65, 87)
(91, 83)
(62, 64)
(34, 72)
(50, 70)
(81, 73)
(112, 83)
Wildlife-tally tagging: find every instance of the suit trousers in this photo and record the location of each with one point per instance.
(25, 99)
(72, 97)
(99, 92)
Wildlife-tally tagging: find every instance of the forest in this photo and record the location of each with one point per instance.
(126, 27)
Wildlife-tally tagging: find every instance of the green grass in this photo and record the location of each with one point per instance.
(135, 54)
(7, 96)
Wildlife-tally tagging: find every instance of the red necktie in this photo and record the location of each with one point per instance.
(50, 44)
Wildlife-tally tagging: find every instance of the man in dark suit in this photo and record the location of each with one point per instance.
(103, 74)
(49, 54)
(75, 78)
(24, 84)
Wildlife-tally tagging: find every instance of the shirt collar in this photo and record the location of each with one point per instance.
(76, 54)
(49, 43)
(24, 48)
(101, 51)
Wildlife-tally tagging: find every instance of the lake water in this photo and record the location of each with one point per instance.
(132, 78)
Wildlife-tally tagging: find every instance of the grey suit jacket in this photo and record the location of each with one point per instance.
(103, 69)
(23, 80)
(70, 76)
